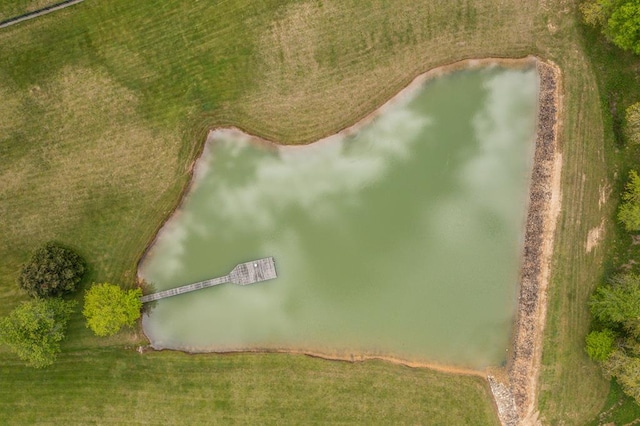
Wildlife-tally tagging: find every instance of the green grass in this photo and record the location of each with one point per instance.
(173, 388)
(619, 408)
(106, 104)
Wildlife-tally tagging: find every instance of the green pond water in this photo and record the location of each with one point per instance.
(403, 239)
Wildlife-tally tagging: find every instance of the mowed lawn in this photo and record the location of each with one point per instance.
(105, 106)
(124, 387)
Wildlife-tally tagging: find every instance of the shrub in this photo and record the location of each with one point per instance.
(629, 211)
(600, 344)
(632, 123)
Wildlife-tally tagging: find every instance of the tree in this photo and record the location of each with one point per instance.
(619, 21)
(629, 211)
(108, 308)
(629, 216)
(594, 13)
(623, 26)
(618, 302)
(51, 271)
(632, 118)
(626, 370)
(600, 344)
(35, 329)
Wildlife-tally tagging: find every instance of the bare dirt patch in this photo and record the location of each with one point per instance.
(604, 192)
(594, 236)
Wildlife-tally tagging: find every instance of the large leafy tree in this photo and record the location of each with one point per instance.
(51, 271)
(34, 329)
(108, 308)
(618, 302)
(619, 21)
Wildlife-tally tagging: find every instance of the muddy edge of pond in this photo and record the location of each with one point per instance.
(518, 383)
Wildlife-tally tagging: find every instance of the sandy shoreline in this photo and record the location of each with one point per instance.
(514, 389)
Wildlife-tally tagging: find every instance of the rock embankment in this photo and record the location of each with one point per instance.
(542, 213)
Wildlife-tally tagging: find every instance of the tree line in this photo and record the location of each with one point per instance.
(35, 329)
(614, 341)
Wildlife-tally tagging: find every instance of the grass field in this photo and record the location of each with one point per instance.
(106, 104)
(118, 386)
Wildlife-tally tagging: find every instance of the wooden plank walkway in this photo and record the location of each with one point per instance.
(243, 274)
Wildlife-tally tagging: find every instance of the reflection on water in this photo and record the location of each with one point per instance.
(402, 240)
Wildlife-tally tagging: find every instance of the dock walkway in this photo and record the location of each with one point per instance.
(243, 274)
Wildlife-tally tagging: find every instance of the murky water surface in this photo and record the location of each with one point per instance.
(402, 240)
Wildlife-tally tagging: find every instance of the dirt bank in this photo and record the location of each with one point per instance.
(544, 206)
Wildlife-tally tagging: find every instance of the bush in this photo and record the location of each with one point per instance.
(108, 308)
(34, 330)
(51, 271)
(632, 123)
(600, 344)
(629, 211)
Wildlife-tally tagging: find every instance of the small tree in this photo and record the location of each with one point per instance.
(51, 271)
(600, 344)
(34, 330)
(108, 308)
(594, 13)
(629, 216)
(629, 211)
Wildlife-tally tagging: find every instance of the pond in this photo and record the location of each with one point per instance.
(401, 239)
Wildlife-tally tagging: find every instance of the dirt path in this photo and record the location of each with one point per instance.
(37, 13)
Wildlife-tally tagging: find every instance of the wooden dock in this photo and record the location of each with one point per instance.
(243, 274)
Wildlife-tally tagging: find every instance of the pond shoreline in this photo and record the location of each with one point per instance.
(542, 214)
(516, 399)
